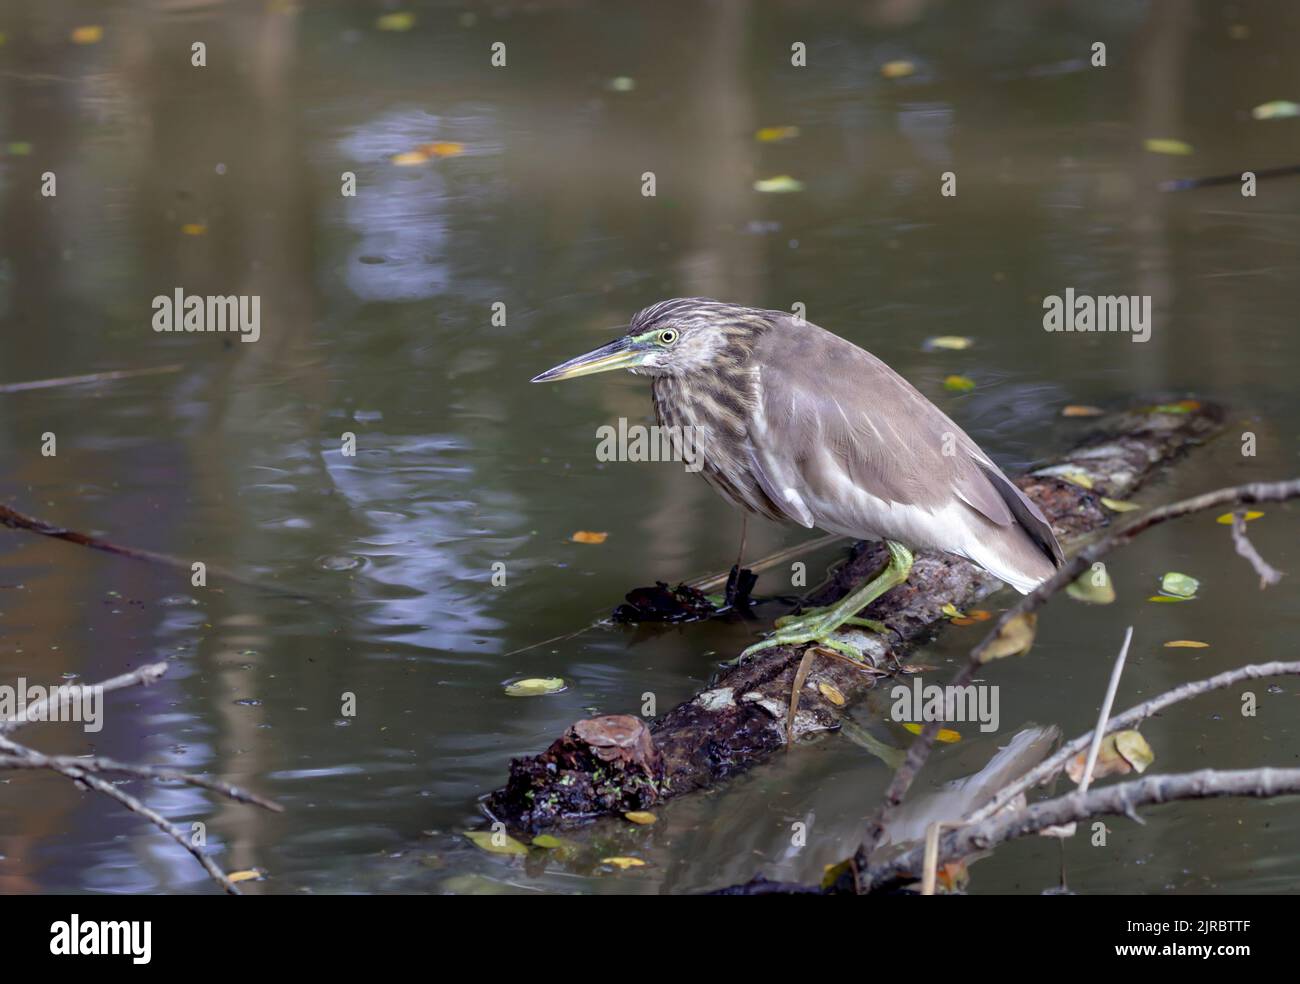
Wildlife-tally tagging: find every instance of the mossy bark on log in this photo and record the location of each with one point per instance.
(617, 763)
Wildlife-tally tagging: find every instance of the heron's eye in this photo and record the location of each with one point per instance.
(667, 336)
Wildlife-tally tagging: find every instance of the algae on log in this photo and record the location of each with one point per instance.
(616, 763)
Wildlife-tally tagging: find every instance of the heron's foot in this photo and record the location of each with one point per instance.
(816, 627)
(880, 628)
(740, 582)
(821, 624)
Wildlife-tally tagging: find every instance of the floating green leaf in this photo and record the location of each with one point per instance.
(1179, 585)
(952, 343)
(958, 384)
(1278, 109)
(536, 687)
(399, 21)
(1161, 145)
(779, 185)
(1093, 586)
(774, 134)
(622, 83)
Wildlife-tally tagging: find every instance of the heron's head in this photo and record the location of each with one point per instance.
(674, 338)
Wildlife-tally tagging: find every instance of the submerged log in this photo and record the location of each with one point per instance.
(608, 765)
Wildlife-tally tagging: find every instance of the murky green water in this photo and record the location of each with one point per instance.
(377, 320)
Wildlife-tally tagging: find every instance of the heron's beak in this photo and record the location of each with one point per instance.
(622, 353)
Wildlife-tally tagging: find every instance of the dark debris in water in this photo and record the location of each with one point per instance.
(664, 604)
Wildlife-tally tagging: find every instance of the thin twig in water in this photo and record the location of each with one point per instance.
(21, 521)
(1100, 731)
(94, 377)
(96, 763)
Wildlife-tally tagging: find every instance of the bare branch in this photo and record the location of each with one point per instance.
(1120, 799)
(1130, 718)
(1267, 573)
(37, 760)
(82, 770)
(920, 749)
(39, 710)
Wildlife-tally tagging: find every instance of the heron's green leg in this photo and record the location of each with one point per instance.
(820, 626)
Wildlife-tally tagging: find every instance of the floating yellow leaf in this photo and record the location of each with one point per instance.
(1119, 505)
(1226, 518)
(87, 34)
(1166, 598)
(1013, 639)
(19, 148)
(587, 536)
(1134, 749)
(1160, 145)
(535, 687)
(399, 21)
(831, 694)
(410, 158)
(897, 69)
(547, 841)
(1182, 406)
(951, 343)
(1276, 110)
(781, 184)
(952, 611)
(249, 874)
(441, 149)
(1093, 586)
(952, 877)
(1081, 410)
(194, 229)
(943, 734)
(624, 863)
(958, 384)
(831, 873)
(642, 817)
(495, 842)
(1081, 479)
(1186, 644)
(1111, 760)
(772, 134)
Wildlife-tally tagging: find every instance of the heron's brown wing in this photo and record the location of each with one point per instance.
(821, 393)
